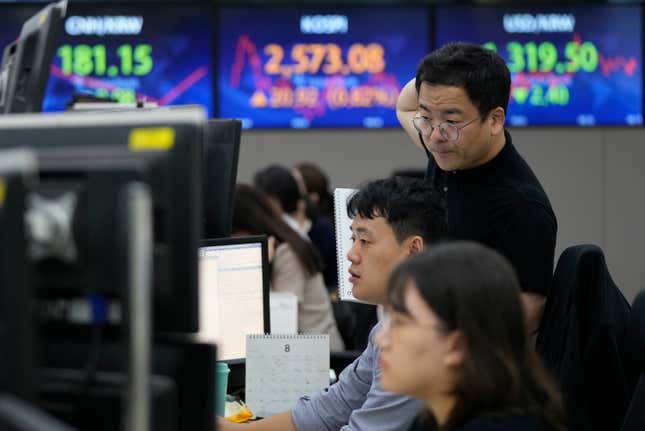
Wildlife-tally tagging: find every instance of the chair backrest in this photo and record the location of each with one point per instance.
(599, 301)
(582, 339)
(559, 322)
(636, 335)
(635, 416)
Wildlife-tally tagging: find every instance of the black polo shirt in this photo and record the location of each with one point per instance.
(502, 205)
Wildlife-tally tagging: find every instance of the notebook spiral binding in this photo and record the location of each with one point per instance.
(341, 220)
(287, 336)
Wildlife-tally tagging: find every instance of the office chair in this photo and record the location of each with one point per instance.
(582, 340)
(635, 417)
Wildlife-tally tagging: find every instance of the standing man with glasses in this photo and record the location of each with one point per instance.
(455, 111)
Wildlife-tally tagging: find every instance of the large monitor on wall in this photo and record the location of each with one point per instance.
(233, 292)
(570, 64)
(307, 67)
(154, 52)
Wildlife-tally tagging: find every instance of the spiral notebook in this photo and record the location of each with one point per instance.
(343, 242)
(282, 368)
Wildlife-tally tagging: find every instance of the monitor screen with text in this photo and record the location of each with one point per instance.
(231, 295)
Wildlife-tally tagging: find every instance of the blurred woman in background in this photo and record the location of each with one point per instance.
(319, 210)
(285, 195)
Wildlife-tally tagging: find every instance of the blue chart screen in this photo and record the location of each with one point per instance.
(570, 65)
(313, 67)
(160, 54)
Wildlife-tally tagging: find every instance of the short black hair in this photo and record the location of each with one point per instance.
(411, 206)
(481, 72)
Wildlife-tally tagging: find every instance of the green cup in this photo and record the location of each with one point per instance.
(221, 382)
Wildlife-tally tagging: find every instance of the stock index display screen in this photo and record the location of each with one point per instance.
(160, 53)
(317, 67)
(570, 65)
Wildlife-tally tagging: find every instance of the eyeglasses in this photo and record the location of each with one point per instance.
(448, 130)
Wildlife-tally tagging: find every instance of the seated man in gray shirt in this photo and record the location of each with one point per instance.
(393, 218)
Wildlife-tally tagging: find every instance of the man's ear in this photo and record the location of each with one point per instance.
(497, 118)
(415, 244)
(456, 349)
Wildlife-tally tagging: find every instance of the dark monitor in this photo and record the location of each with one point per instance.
(56, 278)
(189, 365)
(221, 153)
(55, 230)
(176, 137)
(85, 187)
(25, 62)
(233, 292)
(95, 400)
(16, 329)
(81, 375)
(18, 415)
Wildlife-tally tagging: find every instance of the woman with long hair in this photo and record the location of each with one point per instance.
(286, 195)
(295, 264)
(455, 338)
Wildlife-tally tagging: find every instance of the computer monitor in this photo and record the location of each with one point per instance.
(102, 393)
(16, 328)
(60, 241)
(175, 136)
(25, 62)
(81, 374)
(190, 365)
(233, 292)
(221, 153)
(18, 415)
